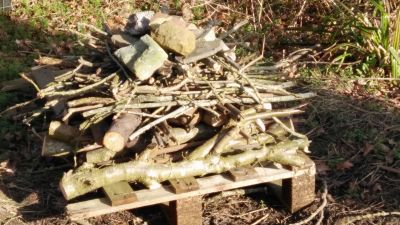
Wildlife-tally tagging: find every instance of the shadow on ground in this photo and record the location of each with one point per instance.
(31, 181)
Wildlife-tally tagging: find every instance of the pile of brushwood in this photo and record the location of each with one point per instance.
(163, 99)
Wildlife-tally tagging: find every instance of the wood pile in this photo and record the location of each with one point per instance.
(160, 101)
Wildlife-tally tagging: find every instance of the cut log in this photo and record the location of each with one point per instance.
(63, 132)
(117, 136)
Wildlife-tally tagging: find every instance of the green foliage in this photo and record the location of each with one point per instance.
(371, 40)
(198, 12)
(6, 99)
(9, 68)
(394, 49)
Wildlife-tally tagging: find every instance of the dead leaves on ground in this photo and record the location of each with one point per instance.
(7, 167)
(346, 165)
(323, 168)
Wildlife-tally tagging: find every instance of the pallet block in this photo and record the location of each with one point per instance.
(119, 193)
(187, 210)
(183, 197)
(299, 191)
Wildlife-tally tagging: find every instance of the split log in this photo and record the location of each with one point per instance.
(15, 85)
(86, 180)
(117, 136)
(43, 76)
(54, 148)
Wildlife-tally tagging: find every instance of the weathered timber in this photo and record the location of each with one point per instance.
(207, 185)
(15, 85)
(84, 181)
(119, 193)
(242, 173)
(184, 185)
(299, 192)
(188, 211)
(43, 76)
(52, 147)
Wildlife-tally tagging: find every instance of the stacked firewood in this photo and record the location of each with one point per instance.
(164, 100)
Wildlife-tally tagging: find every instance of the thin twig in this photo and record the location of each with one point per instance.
(76, 92)
(93, 28)
(291, 131)
(113, 58)
(148, 126)
(351, 219)
(251, 63)
(30, 81)
(20, 105)
(261, 219)
(390, 169)
(234, 29)
(71, 111)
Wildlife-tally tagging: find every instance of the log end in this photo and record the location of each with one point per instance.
(114, 141)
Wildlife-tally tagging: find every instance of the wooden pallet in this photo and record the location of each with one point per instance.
(183, 197)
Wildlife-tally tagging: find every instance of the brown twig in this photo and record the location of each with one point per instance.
(261, 219)
(80, 91)
(351, 219)
(30, 81)
(148, 126)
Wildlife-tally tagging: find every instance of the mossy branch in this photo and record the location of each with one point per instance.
(86, 180)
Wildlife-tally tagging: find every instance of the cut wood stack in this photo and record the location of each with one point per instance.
(163, 100)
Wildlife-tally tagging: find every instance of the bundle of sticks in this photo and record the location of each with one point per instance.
(185, 119)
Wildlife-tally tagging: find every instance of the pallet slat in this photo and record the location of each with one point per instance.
(210, 184)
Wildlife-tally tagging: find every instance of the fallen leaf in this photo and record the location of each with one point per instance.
(367, 149)
(5, 166)
(389, 157)
(344, 165)
(322, 168)
(377, 187)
